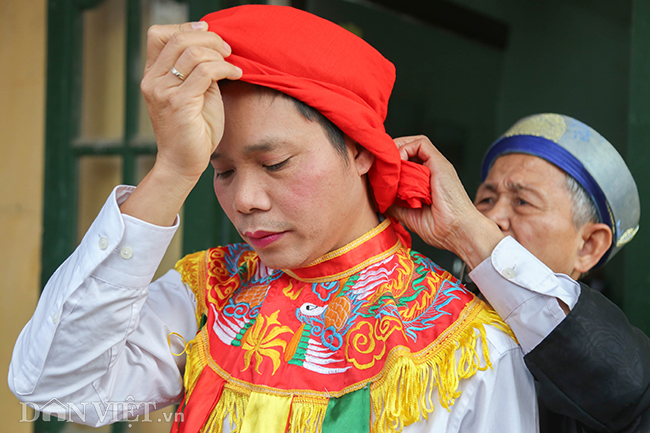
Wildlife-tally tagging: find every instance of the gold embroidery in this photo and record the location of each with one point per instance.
(550, 126)
(260, 339)
(290, 293)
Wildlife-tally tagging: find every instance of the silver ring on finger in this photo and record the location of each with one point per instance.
(181, 76)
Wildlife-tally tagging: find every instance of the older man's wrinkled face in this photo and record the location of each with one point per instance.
(528, 198)
(282, 183)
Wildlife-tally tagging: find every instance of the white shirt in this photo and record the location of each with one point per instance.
(97, 348)
(524, 291)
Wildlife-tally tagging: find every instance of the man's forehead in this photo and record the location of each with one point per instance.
(248, 105)
(239, 89)
(519, 171)
(527, 165)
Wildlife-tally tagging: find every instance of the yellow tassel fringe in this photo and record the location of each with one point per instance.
(231, 406)
(197, 359)
(406, 389)
(192, 270)
(307, 414)
(400, 395)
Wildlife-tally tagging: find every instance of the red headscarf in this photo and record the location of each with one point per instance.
(333, 71)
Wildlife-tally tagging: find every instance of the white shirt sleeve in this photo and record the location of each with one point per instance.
(98, 317)
(500, 399)
(524, 291)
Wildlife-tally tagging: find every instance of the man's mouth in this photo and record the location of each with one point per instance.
(261, 238)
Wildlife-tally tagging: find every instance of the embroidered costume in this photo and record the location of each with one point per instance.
(370, 328)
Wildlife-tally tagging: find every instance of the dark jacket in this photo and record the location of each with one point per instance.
(593, 371)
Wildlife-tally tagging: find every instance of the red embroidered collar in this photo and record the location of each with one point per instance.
(374, 246)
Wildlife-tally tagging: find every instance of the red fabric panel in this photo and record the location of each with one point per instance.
(204, 398)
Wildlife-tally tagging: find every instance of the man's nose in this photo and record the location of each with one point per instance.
(500, 213)
(250, 194)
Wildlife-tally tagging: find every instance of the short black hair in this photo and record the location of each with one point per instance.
(334, 133)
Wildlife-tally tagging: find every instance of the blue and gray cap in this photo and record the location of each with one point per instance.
(586, 156)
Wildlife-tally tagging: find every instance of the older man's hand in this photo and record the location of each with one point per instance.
(451, 222)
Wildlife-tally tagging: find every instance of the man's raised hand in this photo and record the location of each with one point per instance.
(186, 108)
(187, 114)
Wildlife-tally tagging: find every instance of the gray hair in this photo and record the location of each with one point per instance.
(584, 209)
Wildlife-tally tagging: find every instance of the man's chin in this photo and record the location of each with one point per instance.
(277, 259)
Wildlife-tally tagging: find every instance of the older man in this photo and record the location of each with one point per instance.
(324, 320)
(556, 200)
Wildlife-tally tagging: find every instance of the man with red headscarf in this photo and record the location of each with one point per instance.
(324, 320)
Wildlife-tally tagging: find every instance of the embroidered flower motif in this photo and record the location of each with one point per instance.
(260, 340)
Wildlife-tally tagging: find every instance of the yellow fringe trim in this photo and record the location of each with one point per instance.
(405, 391)
(231, 406)
(400, 394)
(192, 269)
(307, 414)
(196, 360)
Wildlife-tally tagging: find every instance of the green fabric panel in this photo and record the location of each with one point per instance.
(350, 413)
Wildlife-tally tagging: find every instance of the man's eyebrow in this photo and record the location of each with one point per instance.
(517, 188)
(489, 186)
(260, 147)
(512, 186)
(251, 148)
(493, 187)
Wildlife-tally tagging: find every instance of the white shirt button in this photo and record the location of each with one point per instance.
(509, 273)
(103, 243)
(55, 318)
(126, 253)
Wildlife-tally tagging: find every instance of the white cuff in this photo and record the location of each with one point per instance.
(135, 255)
(524, 291)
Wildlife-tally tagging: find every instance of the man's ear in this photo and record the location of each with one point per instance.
(363, 159)
(596, 240)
